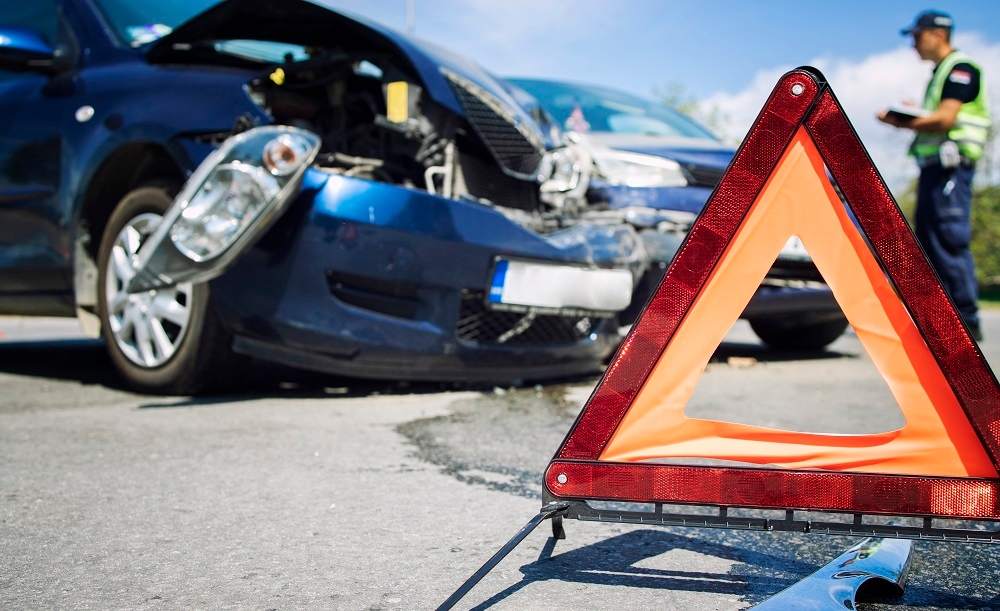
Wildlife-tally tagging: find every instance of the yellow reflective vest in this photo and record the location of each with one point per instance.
(972, 124)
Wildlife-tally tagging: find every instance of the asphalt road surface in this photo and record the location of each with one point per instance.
(307, 492)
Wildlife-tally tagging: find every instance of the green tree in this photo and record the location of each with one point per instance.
(986, 234)
(907, 200)
(986, 212)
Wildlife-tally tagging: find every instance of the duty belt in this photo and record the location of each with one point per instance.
(925, 162)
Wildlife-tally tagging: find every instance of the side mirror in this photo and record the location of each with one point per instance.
(24, 50)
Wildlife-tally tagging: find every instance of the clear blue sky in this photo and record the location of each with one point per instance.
(727, 53)
(638, 44)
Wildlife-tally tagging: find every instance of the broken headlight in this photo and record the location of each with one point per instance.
(637, 170)
(565, 174)
(224, 198)
(233, 196)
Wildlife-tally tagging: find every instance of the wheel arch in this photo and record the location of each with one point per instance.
(128, 167)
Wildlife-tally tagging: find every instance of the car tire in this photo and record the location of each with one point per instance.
(167, 341)
(786, 335)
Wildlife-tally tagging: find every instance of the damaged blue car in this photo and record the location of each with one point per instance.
(658, 167)
(200, 182)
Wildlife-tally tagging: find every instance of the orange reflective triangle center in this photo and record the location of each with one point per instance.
(799, 200)
(633, 441)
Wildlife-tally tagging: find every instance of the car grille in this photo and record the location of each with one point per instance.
(479, 325)
(514, 147)
(483, 179)
(702, 176)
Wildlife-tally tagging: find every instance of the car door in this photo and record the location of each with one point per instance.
(35, 233)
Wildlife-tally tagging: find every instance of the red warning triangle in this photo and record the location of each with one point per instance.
(633, 442)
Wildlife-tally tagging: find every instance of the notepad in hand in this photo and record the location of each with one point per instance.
(906, 113)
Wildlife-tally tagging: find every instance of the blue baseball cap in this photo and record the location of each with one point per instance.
(930, 19)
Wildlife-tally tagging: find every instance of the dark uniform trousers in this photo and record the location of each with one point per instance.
(944, 207)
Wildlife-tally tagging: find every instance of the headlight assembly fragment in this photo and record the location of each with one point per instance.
(223, 207)
(565, 174)
(229, 201)
(637, 170)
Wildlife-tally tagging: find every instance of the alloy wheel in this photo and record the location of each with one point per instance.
(149, 326)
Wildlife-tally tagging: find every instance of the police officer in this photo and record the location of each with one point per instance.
(951, 131)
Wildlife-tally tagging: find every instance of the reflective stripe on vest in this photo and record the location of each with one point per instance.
(972, 124)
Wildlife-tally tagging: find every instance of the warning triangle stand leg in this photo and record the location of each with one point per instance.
(558, 532)
(552, 510)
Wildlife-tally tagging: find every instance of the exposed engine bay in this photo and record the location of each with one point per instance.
(375, 123)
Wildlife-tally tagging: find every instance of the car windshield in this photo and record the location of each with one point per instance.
(138, 23)
(586, 108)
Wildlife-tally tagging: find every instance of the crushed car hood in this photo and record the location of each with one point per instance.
(306, 23)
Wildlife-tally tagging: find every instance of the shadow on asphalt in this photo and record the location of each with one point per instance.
(763, 354)
(755, 576)
(78, 360)
(617, 561)
(86, 361)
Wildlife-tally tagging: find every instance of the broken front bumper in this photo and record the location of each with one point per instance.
(372, 280)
